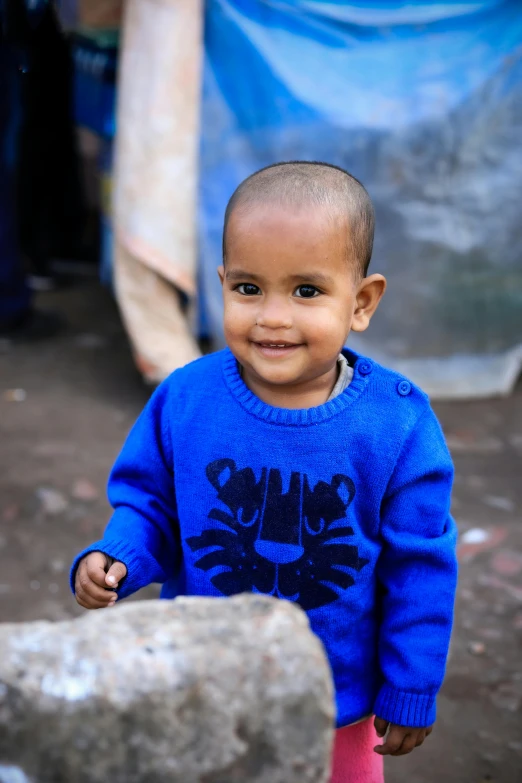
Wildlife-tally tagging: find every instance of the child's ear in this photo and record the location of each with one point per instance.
(221, 273)
(369, 295)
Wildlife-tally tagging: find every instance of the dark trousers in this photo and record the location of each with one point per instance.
(14, 293)
(50, 198)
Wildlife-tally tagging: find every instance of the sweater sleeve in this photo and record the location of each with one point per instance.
(142, 532)
(417, 571)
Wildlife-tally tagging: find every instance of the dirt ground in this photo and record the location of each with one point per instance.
(65, 407)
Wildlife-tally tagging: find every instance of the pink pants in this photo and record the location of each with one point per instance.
(354, 760)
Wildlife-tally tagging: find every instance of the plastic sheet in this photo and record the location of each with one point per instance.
(423, 103)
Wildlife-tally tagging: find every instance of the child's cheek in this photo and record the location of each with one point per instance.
(238, 321)
(325, 329)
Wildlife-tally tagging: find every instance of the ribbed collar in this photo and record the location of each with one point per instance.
(298, 416)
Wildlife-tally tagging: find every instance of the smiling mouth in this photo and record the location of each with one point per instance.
(276, 349)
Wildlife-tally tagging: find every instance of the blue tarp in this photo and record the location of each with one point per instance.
(421, 101)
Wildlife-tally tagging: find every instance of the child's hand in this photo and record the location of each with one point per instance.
(401, 739)
(97, 576)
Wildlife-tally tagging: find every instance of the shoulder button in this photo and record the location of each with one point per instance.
(404, 388)
(365, 368)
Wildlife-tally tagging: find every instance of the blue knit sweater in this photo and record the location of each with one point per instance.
(343, 508)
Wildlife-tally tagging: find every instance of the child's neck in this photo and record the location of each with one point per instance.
(306, 394)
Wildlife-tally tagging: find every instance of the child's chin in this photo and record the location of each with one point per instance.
(279, 377)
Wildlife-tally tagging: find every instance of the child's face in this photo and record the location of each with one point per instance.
(291, 295)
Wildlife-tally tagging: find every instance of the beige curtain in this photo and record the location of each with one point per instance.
(156, 179)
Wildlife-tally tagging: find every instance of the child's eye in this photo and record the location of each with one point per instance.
(248, 289)
(306, 292)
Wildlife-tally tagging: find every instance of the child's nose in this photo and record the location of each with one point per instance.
(275, 313)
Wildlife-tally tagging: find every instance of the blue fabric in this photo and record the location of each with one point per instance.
(343, 508)
(423, 103)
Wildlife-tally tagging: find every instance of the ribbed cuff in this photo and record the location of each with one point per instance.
(417, 710)
(142, 568)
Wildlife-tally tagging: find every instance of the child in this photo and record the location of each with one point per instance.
(292, 466)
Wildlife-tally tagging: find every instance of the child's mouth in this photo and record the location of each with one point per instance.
(275, 349)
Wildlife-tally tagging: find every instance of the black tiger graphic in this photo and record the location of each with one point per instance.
(287, 544)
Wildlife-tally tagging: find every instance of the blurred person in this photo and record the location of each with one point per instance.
(290, 465)
(50, 197)
(15, 296)
(18, 318)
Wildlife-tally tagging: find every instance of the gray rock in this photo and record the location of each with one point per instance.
(195, 690)
(12, 775)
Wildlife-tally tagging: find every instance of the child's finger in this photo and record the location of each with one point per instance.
(393, 741)
(115, 574)
(90, 590)
(425, 733)
(89, 603)
(95, 564)
(409, 743)
(420, 739)
(381, 726)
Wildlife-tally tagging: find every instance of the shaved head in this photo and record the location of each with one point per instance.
(311, 184)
